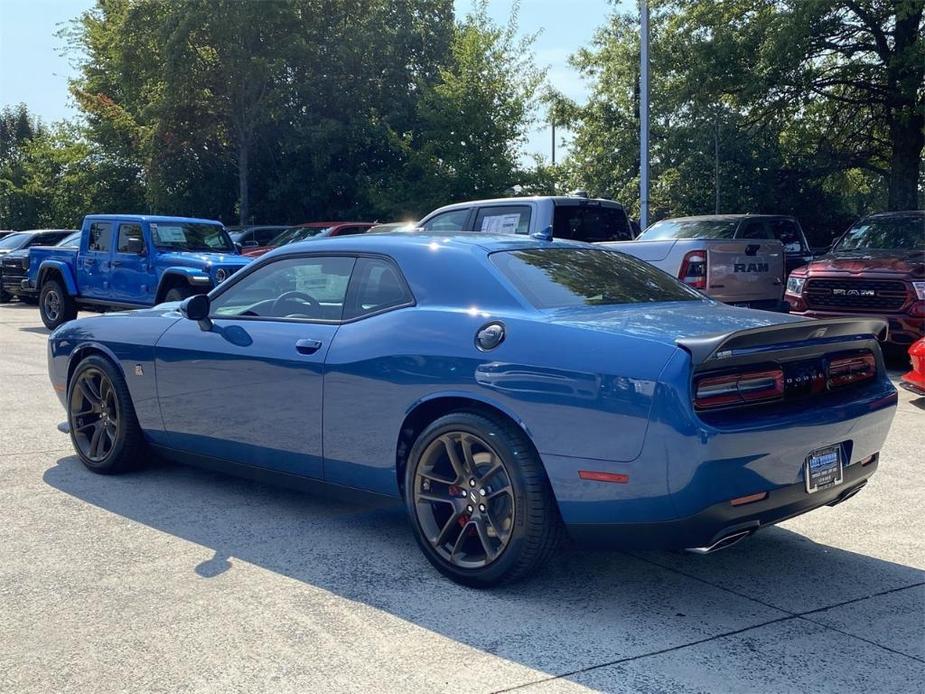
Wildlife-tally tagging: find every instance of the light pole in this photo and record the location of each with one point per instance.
(643, 114)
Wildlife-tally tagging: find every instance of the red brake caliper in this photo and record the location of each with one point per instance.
(456, 490)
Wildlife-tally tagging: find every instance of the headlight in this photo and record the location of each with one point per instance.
(220, 275)
(25, 263)
(919, 289)
(795, 285)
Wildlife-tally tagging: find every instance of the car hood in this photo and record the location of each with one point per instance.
(666, 322)
(191, 259)
(856, 262)
(21, 253)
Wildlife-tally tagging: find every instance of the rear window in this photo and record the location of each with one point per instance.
(694, 229)
(562, 277)
(591, 223)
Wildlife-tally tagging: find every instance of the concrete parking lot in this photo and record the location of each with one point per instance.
(175, 579)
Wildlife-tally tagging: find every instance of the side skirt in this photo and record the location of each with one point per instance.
(279, 479)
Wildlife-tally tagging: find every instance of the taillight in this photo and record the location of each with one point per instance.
(694, 269)
(843, 371)
(738, 388)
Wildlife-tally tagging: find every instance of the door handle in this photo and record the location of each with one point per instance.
(308, 346)
(115, 263)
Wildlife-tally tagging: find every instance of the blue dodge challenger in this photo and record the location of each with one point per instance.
(509, 389)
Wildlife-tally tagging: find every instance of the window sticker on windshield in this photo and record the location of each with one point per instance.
(165, 234)
(501, 223)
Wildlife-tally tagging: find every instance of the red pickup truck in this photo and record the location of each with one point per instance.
(877, 268)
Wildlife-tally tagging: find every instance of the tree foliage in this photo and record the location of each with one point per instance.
(812, 107)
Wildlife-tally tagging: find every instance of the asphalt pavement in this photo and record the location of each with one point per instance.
(175, 579)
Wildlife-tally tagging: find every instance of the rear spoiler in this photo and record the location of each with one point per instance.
(706, 348)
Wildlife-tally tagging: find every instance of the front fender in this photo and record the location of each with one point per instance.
(63, 269)
(193, 276)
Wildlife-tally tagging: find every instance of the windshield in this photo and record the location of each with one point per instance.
(562, 277)
(70, 240)
(13, 241)
(294, 234)
(890, 233)
(691, 229)
(190, 236)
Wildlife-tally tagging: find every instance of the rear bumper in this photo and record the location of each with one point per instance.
(904, 329)
(720, 520)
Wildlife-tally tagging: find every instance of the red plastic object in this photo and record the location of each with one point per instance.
(915, 380)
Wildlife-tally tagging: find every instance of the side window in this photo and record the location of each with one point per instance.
(504, 219)
(754, 229)
(454, 220)
(591, 223)
(43, 240)
(788, 234)
(264, 236)
(129, 233)
(100, 239)
(308, 288)
(375, 286)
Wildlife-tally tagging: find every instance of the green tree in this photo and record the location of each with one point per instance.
(749, 112)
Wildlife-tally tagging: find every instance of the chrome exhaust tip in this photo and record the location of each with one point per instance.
(722, 543)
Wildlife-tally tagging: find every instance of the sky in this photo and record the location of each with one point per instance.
(34, 70)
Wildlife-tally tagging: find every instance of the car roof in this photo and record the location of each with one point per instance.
(47, 231)
(413, 241)
(898, 213)
(525, 198)
(332, 224)
(726, 217)
(152, 218)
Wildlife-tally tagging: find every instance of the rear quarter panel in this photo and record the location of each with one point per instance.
(577, 393)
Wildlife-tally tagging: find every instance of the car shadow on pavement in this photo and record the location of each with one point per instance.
(583, 609)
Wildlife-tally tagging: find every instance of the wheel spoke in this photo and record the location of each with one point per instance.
(460, 539)
(96, 440)
(84, 385)
(83, 414)
(436, 498)
(492, 471)
(458, 466)
(466, 444)
(445, 532)
(494, 494)
(429, 475)
(86, 426)
(485, 541)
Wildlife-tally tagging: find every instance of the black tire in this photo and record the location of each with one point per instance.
(5, 297)
(105, 409)
(56, 306)
(529, 531)
(179, 293)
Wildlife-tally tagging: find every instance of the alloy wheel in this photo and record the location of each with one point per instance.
(52, 305)
(464, 500)
(94, 414)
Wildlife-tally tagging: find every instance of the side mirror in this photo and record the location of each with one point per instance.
(238, 248)
(195, 307)
(136, 245)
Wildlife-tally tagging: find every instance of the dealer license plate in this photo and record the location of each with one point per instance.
(823, 469)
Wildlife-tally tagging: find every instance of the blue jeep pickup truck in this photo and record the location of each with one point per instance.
(131, 261)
